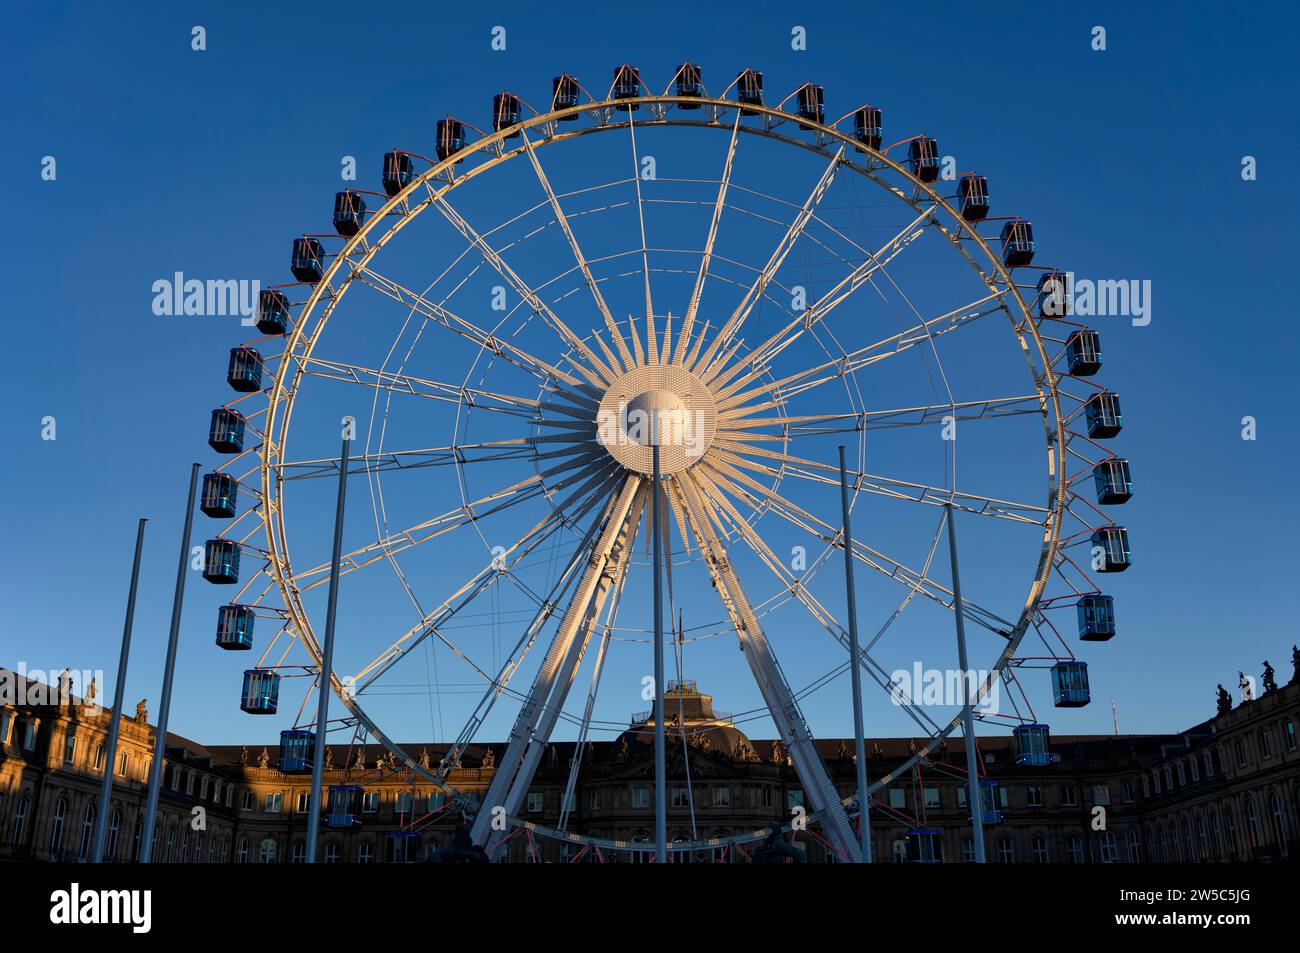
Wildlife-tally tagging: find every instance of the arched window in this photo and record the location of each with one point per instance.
(1252, 825)
(1229, 829)
(1006, 851)
(1216, 835)
(114, 829)
(242, 856)
(20, 821)
(1038, 850)
(184, 854)
(1202, 837)
(364, 852)
(333, 854)
(56, 827)
(198, 847)
(299, 854)
(1279, 823)
(87, 833)
(267, 851)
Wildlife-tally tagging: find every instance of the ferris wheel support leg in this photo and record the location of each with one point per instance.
(538, 714)
(780, 700)
(968, 681)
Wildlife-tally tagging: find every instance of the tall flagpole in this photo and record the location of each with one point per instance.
(115, 721)
(327, 662)
(855, 670)
(967, 680)
(169, 668)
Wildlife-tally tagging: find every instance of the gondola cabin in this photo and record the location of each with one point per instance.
(404, 846)
(923, 155)
(973, 197)
(1113, 480)
(1070, 684)
(992, 800)
(308, 261)
(1017, 243)
(221, 561)
(273, 311)
(506, 111)
(1103, 417)
(1053, 295)
(866, 126)
(1110, 550)
(1083, 352)
(220, 495)
(349, 213)
(811, 104)
(261, 694)
(690, 84)
(1096, 617)
(226, 434)
(343, 811)
(749, 90)
(398, 173)
(450, 138)
(244, 370)
(235, 628)
(627, 85)
(924, 846)
(564, 94)
(1032, 745)
(297, 747)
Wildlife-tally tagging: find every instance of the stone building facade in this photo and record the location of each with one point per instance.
(1227, 790)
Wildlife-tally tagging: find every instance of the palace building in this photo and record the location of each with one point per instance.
(1226, 790)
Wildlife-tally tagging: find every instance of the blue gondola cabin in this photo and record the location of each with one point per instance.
(689, 84)
(297, 747)
(1032, 745)
(308, 261)
(1083, 352)
(924, 846)
(404, 846)
(1096, 617)
(973, 197)
(749, 90)
(1053, 295)
(1070, 684)
(235, 627)
(398, 173)
(811, 103)
(1113, 480)
(1103, 417)
(506, 113)
(261, 695)
(349, 213)
(226, 434)
(1017, 243)
(221, 561)
(923, 155)
(627, 85)
(344, 807)
(993, 797)
(220, 495)
(564, 93)
(273, 312)
(866, 126)
(1110, 549)
(450, 138)
(244, 370)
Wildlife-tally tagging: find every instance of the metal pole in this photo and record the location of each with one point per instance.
(661, 784)
(968, 680)
(855, 656)
(160, 742)
(110, 754)
(327, 664)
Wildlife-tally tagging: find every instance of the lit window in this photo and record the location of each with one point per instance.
(273, 801)
(69, 747)
(370, 802)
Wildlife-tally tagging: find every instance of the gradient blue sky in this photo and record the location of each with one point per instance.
(1128, 161)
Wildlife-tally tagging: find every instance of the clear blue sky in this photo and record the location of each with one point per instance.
(1127, 160)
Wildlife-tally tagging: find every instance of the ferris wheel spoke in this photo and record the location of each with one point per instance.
(762, 355)
(733, 324)
(596, 373)
(854, 361)
(611, 325)
(458, 394)
(763, 498)
(494, 451)
(706, 259)
(824, 617)
(545, 699)
(824, 474)
(579, 391)
(771, 681)
(645, 254)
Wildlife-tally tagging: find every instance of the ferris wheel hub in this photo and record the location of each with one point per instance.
(657, 403)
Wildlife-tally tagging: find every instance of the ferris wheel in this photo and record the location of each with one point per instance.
(520, 324)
